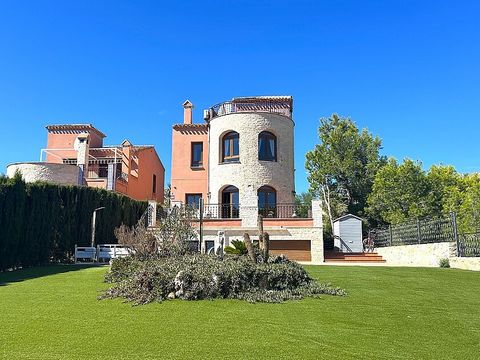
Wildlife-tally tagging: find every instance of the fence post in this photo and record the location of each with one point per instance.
(419, 234)
(200, 208)
(455, 231)
(391, 234)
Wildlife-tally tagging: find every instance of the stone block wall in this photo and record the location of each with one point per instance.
(249, 174)
(62, 174)
(465, 263)
(427, 255)
(423, 255)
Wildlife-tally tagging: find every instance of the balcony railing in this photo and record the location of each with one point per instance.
(221, 211)
(98, 172)
(286, 211)
(281, 106)
(229, 211)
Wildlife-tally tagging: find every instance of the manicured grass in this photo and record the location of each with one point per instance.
(390, 313)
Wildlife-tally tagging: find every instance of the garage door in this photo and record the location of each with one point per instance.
(298, 250)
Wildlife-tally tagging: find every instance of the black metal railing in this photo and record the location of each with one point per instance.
(122, 177)
(469, 245)
(416, 231)
(286, 211)
(221, 211)
(282, 107)
(234, 211)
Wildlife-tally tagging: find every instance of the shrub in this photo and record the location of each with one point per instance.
(444, 263)
(238, 248)
(42, 222)
(198, 276)
(171, 236)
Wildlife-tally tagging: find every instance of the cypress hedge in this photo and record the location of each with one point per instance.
(42, 222)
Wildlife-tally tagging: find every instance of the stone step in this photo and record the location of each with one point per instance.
(363, 260)
(353, 257)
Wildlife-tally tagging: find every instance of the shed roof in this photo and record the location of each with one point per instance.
(344, 217)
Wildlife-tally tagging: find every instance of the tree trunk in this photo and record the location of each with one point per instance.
(260, 231)
(249, 245)
(266, 246)
(326, 199)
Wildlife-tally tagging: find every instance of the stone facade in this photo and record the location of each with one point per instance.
(290, 229)
(63, 174)
(423, 255)
(465, 263)
(427, 255)
(248, 117)
(249, 174)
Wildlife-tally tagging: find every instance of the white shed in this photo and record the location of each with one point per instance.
(347, 232)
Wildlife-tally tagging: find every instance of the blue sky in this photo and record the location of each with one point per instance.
(407, 70)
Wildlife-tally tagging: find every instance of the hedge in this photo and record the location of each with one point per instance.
(41, 222)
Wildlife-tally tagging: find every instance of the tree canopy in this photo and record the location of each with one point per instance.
(341, 169)
(347, 171)
(399, 192)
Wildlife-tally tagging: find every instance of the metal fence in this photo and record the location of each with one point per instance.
(235, 211)
(427, 231)
(468, 245)
(260, 105)
(418, 231)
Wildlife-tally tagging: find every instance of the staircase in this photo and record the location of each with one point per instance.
(339, 257)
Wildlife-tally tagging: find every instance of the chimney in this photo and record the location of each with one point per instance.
(82, 147)
(187, 112)
(126, 157)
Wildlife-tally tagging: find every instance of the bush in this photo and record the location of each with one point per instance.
(238, 247)
(42, 222)
(197, 276)
(444, 263)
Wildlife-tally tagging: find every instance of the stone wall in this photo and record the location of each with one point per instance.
(62, 174)
(427, 255)
(250, 173)
(423, 255)
(465, 263)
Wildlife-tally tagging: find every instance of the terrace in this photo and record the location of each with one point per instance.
(278, 211)
(103, 162)
(281, 105)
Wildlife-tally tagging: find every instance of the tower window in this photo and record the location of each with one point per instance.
(230, 202)
(197, 154)
(230, 148)
(267, 146)
(154, 183)
(267, 201)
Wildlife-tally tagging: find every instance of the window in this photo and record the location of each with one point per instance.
(267, 146)
(267, 201)
(230, 149)
(193, 200)
(154, 183)
(230, 202)
(209, 246)
(197, 154)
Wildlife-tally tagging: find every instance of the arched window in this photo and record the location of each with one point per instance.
(267, 146)
(230, 202)
(230, 148)
(267, 201)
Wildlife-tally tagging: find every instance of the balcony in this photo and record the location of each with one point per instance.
(230, 211)
(281, 105)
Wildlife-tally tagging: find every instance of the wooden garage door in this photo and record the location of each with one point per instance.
(298, 250)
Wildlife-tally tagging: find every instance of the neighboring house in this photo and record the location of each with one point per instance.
(240, 163)
(76, 155)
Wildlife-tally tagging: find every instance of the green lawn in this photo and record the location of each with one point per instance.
(390, 313)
